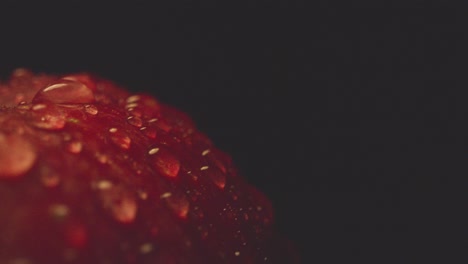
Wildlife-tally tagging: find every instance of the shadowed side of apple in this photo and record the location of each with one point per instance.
(90, 173)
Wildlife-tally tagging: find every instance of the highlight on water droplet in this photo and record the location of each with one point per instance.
(17, 156)
(178, 203)
(120, 139)
(135, 121)
(91, 109)
(47, 117)
(102, 158)
(146, 248)
(75, 147)
(150, 132)
(217, 177)
(65, 92)
(50, 179)
(166, 164)
(59, 211)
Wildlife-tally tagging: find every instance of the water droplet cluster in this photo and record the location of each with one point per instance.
(113, 159)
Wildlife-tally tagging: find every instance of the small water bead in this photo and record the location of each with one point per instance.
(165, 195)
(102, 158)
(135, 121)
(217, 177)
(146, 248)
(150, 132)
(205, 152)
(75, 147)
(65, 92)
(133, 99)
(17, 156)
(91, 109)
(179, 204)
(120, 139)
(143, 105)
(166, 164)
(48, 117)
(59, 211)
(50, 180)
(153, 151)
(143, 195)
(103, 185)
(120, 202)
(38, 107)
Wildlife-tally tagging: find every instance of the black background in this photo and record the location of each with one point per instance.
(350, 118)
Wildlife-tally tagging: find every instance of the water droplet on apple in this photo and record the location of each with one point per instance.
(102, 158)
(50, 180)
(146, 248)
(91, 109)
(47, 117)
(217, 177)
(59, 211)
(150, 132)
(166, 164)
(120, 202)
(65, 92)
(17, 156)
(75, 147)
(120, 139)
(178, 203)
(135, 121)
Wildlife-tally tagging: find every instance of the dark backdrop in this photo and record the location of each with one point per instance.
(348, 118)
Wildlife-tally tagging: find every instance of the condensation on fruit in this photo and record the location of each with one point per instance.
(166, 164)
(120, 202)
(135, 121)
(143, 106)
(91, 109)
(17, 156)
(75, 147)
(149, 132)
(65, 92)
(47, 117)
(217, 177)
(178, 203)
(120, 139)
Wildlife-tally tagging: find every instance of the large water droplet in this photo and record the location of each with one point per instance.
(65, 92)
(166, 163)
(17, 156)
(82, 78)
(47, 117)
